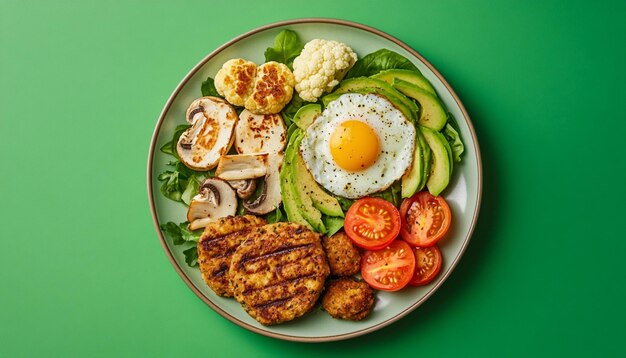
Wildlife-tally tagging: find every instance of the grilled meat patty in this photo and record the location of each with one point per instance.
(278, 273)
(216, 246)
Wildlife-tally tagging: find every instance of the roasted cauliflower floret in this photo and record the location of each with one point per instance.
(272, 89)
(265, 89)
(320, 67)
(235, 80)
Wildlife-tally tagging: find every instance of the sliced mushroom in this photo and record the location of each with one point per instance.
(215, 200)
(270, 196)
(242, 166)
(258, 133)
(210, 136)
(245, 188)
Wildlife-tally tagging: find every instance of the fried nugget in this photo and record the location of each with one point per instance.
(348, 299)
(343, 257)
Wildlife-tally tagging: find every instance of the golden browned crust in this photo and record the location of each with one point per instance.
(343, 257)
(273, 89)
(235, 80)
(278, 273)
(348, 299)
(216, 246)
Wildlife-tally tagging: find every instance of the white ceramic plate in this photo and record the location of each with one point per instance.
(463, 193)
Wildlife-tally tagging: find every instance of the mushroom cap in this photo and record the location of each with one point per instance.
(215, 200)
(211, 133)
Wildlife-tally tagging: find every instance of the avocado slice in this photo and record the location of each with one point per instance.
(413, 77)
(369, 85)
(441, 166)
(306, 115)
(287, 191)
(433, 114)
(427, 158)
(303, 203)
(414, 179)
(322, 201)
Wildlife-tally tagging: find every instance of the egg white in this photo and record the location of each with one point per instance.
(396, 136)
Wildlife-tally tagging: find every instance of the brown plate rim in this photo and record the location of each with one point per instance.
(282, 336)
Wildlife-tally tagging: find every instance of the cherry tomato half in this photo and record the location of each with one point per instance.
(427, 265)
(390, 268)
(425, 219)
(372, 223)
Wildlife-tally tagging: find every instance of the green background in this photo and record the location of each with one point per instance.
(82, 272)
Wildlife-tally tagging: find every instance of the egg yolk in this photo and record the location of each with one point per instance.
(354, 145)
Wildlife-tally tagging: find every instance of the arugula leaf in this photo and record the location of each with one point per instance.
(172, 185)
(286, 48)
(380, 60)
(454, 139)
(333, 224)
(208, 88)
(182, 183)
(191, 189)
(170, 147)
(180, 233)
(191, 256)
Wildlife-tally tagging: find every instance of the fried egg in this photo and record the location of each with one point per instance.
(359, 145)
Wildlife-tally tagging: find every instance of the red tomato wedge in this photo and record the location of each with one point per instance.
(372, 223)
(390, 268)
(427, 265)
(425, 219)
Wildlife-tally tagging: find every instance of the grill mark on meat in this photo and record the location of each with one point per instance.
(284, 283)
(281, 261)
(274, 303)
(281, 251)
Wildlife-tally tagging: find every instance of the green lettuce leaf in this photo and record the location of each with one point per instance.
(454, 139)
(380, 60)
(286, 48)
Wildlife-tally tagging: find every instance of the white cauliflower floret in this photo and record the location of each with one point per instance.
(320, 67)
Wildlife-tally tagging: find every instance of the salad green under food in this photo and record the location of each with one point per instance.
(181, 184)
